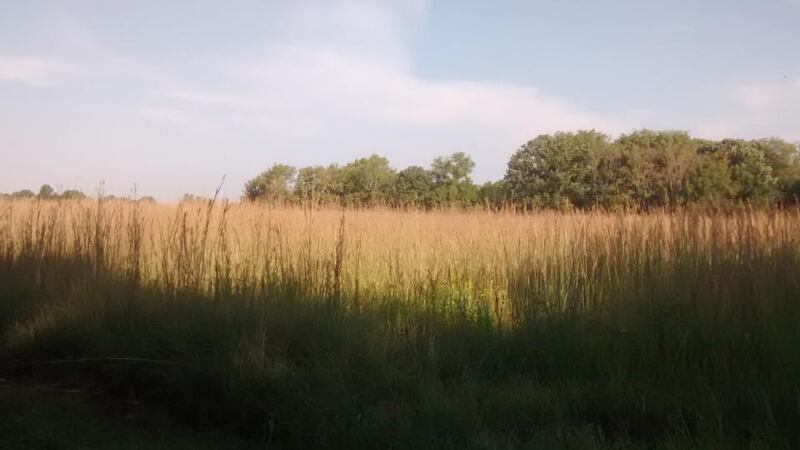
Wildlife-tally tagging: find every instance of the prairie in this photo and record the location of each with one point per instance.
(363, 328)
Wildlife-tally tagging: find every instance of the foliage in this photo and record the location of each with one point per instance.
(317, 183)
(25, 193)
(452, 184)
(413, 186)
(556, 171)
(366, 180)
(709, 181)
(750, 170)
(272, 184)
(493, 193)
(651, 169)
(46, 192)
(641, 170)
(72, 194)
(659, 163)
(372, 181)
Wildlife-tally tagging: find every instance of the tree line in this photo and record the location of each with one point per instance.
(642, 170)
(369, 181)
(46, 192)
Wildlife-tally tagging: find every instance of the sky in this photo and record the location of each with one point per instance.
(168, 97)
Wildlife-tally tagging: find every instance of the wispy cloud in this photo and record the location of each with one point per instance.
(356, 72)
(302, 83)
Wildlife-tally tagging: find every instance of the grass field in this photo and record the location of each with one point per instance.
(48, 417)
(313, 327)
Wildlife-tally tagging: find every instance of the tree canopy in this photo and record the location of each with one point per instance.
(274, 183)
(371, 181)
(643, 169)
(556, 171)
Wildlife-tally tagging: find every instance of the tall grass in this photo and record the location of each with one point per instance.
(447, 329)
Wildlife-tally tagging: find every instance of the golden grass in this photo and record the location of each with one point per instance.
(507, 264)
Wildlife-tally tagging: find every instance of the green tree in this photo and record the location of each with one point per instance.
(784, 159)
(273, 184)
(452, 184)
(366, 180)
(413, 186)
(493, 193)
(557, 171)
(792, 192)
(25, 193)
(710, 181)
(46, 192)
(318, 183)
(616, 180)
(72, 194)
(751, 172)
(657, 165)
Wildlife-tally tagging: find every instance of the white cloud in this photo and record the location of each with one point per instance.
(760, 109)
(305, 83)
(357, 72)
(30, 71)
(351, 65)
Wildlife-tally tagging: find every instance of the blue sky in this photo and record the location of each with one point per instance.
(169, 96)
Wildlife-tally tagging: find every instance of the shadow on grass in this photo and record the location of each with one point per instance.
(44, 417)
(307, 372)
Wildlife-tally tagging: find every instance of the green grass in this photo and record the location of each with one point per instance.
(634, 340)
